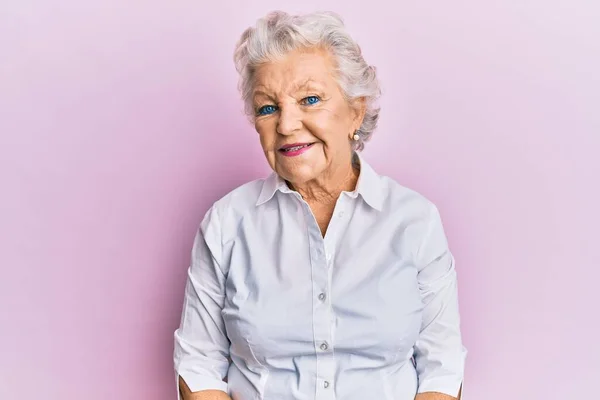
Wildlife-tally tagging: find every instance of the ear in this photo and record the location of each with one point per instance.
(359, 109)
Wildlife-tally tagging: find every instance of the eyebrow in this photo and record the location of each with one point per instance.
(309, 84)
(259, 93)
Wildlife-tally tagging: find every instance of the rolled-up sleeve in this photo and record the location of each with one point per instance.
(439, 352)
(201, 344)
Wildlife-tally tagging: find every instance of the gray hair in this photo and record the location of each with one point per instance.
(278, 33)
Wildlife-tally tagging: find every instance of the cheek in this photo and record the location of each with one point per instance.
(266, 134)
(328, 126)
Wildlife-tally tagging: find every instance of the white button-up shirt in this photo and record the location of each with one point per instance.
(274, 310)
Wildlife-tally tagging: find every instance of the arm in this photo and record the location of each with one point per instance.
(439, 352)
(201, 344)
(187, 394)
(437, 396)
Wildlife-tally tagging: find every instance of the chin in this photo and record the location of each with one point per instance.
(300, 174)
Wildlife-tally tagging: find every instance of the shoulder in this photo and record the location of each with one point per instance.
(238, 202)
(242, 196)
(400, 198)
(417, 218)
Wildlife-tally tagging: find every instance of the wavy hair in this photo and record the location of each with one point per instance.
(279, 33)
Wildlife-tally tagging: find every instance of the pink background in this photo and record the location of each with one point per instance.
(120, 124)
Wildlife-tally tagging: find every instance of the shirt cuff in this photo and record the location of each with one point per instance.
(198, 382)
(449, 385)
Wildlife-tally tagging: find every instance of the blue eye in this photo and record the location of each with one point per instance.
(310, 100)
(266, 110)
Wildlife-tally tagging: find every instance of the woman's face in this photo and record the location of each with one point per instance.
(297, 102)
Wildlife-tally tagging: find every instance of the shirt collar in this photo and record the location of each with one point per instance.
(271, 184)
(369, 185)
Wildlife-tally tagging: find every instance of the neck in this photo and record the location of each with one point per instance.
(330, 184)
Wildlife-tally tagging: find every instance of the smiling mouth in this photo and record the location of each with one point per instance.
(295, 148)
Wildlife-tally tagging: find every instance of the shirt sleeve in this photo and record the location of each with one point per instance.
(439, 353)
(201, 344)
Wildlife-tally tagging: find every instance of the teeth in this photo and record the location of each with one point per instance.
(295, 148)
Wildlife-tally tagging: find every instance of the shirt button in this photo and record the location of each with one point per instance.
(324, 346)
(326, 384)
(322, 296)
(341, 214)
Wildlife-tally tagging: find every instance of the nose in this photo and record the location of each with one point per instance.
(290, 120)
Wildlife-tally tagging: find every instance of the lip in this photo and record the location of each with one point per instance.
(292, 153)
(287, 146)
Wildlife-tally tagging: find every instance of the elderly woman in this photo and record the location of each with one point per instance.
(325, 280)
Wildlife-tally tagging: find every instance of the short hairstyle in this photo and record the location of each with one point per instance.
(279, 33)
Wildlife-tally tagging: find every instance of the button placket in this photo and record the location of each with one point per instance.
(322, 313)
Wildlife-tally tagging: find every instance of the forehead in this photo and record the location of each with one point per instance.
(297, 70)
